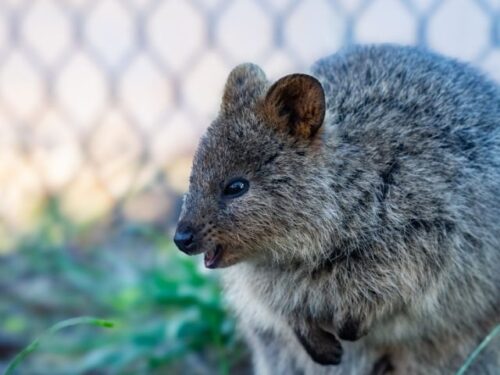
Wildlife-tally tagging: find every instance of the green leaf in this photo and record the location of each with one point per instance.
(478, 350)
(56, 327)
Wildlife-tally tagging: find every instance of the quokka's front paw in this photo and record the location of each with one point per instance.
(348, 329)
(323, 347)
(351, 330)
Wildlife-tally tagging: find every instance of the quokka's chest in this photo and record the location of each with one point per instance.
(284, 295)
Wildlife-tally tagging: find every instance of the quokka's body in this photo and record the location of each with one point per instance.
(367, 237)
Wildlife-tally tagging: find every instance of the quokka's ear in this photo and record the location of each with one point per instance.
(296, 105)
(245, 84)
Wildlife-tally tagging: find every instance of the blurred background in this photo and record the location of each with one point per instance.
(101, 107)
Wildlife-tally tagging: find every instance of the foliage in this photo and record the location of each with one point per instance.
(170, 315)
(56, 327)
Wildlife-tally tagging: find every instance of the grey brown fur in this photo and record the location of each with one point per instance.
(370, 234)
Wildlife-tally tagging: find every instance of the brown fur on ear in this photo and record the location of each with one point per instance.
(245, 84)
(296, 104)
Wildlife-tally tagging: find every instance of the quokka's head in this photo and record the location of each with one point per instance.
(253, 186)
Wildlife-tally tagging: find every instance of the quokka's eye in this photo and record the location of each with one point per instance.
(236, 188)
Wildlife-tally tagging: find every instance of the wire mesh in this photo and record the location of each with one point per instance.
(100, 99)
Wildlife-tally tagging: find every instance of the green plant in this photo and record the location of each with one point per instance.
(470, 360)
(171, 313)
(56, 327)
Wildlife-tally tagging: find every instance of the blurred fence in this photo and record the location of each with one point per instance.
(102, 99)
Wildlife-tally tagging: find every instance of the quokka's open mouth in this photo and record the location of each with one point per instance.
(213, 257)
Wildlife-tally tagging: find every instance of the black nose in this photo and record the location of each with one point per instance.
(184, 238)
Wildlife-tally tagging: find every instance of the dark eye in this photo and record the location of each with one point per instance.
(236, 188)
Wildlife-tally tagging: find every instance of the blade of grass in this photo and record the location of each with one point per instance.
(56, 327)
(478, 350)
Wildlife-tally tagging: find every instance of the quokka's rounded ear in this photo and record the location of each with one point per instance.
(245, 84)
(296, 105)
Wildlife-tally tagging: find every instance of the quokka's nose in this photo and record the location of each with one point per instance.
(184, 238)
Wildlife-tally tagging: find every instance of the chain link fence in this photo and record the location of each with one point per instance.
(102, 102)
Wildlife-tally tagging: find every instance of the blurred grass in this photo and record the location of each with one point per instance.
(21, 356)
(171, 318)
